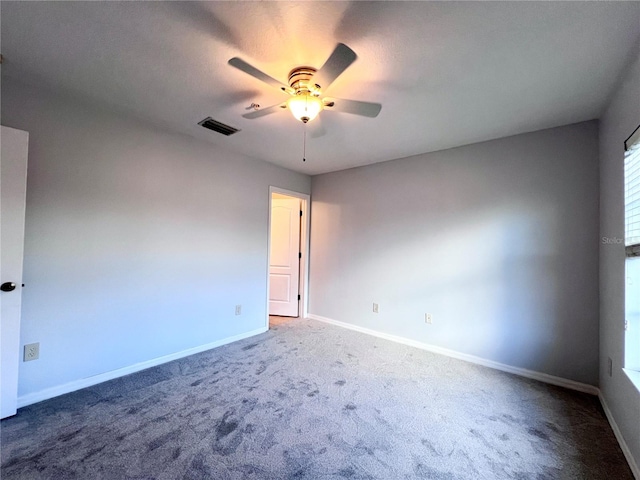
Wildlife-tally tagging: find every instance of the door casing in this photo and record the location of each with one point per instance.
(303, 305)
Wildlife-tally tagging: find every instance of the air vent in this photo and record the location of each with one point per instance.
(216, 126)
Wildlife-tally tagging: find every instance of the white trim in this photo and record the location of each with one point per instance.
(48, 393)
(303, 290)
(523, 372)
(616, 431)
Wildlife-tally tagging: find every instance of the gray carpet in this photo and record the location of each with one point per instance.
(312, 401)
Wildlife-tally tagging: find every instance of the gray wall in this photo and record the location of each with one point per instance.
(139, 243)
(497, 240)
(620, 119)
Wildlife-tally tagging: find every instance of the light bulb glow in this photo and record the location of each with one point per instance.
(305, 107)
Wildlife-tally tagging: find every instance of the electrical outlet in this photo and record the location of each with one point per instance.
(31, 351)
(428, 319)
(375, 308)
(238, 309)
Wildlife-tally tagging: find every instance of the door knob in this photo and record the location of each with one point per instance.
(8, 286)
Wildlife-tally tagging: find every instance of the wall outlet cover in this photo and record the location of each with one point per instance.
(31, 352)
(238, 309)
(375, 308)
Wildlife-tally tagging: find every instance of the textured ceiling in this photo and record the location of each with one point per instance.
(446, 73)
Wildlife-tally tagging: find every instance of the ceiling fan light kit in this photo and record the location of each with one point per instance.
(305, 107)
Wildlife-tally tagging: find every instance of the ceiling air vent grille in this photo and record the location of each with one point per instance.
(216, 126)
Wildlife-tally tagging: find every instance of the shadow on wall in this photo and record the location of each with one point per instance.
(493, 283)
(498, 241)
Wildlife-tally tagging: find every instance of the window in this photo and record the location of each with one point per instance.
(632, 249)
(632, 194)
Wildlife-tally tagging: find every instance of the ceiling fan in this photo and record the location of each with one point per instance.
(307, 86)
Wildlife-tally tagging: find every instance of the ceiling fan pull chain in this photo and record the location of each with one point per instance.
(304, 143)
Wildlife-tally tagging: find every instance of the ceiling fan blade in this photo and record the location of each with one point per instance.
(260, 75)
(337, 63)
(265, 111)
(355, 107)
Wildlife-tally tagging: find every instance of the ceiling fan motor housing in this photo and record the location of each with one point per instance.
(300, 81)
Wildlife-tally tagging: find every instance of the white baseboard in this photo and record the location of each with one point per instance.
(543, 377)
(48, 393)
(623, 445)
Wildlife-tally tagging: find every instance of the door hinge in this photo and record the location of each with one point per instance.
(298, 297)
(300, 212)
(299, 254)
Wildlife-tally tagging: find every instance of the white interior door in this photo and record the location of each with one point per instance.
(284, 261)
(13, 182)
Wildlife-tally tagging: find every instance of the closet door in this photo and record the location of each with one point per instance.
(13, 186)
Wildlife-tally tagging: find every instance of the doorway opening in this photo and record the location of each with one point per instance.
(288, 253)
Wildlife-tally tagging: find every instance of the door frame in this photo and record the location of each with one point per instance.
(303, 283)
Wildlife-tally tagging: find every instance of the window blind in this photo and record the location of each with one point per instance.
(632, 194)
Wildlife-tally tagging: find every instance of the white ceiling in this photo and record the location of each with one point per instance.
(446, 73)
